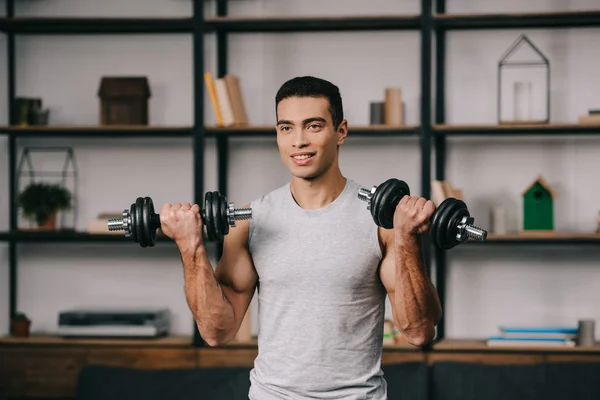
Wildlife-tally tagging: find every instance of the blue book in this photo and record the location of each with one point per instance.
(541, 330)
(529, 338)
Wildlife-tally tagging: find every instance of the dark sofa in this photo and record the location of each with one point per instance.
(414, 381)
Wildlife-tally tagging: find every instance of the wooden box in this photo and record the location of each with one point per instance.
(124, 100)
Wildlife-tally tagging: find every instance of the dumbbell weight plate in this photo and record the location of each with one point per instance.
(137, 222)
(223, 215)
(215, 209)
(149, 232)
(209, 216)
(445, 221)
(385, 199)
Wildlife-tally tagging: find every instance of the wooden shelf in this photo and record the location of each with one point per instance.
(479, 345)
(541, 238)
(73, 237)
(565, 19)
(517, 130)
(54, 341)
(93, 131)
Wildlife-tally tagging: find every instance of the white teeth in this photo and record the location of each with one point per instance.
(303, 157)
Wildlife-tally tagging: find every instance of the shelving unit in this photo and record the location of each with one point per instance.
(432, 131)
(443, 23)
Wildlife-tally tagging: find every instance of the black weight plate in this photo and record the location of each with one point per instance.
(132, 223)
(388, 195)
(216, 208)
(376, 201)
(149, 233)
(209, 223)
(445, 222)
(439, 222)
(138, 223)
(223, 220)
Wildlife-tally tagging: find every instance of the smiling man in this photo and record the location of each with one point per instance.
(322, 267)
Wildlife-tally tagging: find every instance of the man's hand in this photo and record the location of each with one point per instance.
(413, 216)
(183, 224)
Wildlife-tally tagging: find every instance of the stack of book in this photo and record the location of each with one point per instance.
(533, 336)
(227, 100)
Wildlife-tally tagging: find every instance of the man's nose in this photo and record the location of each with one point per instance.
(300, 138)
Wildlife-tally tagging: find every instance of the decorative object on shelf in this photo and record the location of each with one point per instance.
(394, 107)
(498, 219)
(586, 336)
(523, 85)
(592, 118)
(377, 113)
(20, 325)
(29, 112)
(124, 100)
(538, 207)
(47, 187)
(390, 111)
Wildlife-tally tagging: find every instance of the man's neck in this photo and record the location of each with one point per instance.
(317, 193)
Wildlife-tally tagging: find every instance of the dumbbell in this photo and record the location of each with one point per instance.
(451, 223)
(140, 222)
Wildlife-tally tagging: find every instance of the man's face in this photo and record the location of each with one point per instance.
(306, 136)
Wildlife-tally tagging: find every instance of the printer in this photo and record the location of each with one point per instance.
(116, 323)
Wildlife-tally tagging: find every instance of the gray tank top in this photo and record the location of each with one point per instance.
(321, 304)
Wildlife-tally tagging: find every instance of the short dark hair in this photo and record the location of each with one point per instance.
(309, 86)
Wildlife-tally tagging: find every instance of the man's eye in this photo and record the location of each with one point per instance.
(315, 126)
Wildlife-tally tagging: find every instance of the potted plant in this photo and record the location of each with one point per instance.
(19, 325)
(42, 201)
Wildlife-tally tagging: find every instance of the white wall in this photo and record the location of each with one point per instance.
(487, 286)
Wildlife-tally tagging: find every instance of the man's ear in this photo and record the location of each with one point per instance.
(342, 131)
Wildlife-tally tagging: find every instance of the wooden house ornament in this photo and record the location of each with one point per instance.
(538, 206)
(124, 100)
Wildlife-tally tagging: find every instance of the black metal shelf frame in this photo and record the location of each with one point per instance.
(429, 22)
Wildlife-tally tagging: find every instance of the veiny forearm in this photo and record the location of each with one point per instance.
(417, 303)
(205, 297)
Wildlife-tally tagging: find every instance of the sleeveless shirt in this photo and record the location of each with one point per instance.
(321, 303)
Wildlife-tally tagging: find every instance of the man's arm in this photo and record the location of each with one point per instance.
(416, 307)
(217, 298)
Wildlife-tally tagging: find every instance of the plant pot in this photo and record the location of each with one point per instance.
(50, 223)
(20, 327)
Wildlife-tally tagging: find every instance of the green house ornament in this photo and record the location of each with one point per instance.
(538, 206)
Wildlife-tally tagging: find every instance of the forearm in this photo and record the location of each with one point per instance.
(212, 311)
(417, 304)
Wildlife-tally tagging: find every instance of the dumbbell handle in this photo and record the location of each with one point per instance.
(467, 229)
(125, 223)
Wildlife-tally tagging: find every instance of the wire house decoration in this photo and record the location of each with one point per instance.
(47, 188)
(523, 85)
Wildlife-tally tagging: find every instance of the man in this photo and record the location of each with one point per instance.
(321, 265)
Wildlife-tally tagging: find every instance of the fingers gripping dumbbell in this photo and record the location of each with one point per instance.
(451, 223)
(140, 222)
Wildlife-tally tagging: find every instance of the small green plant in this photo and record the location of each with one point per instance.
(40, 201)
(20, 316)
